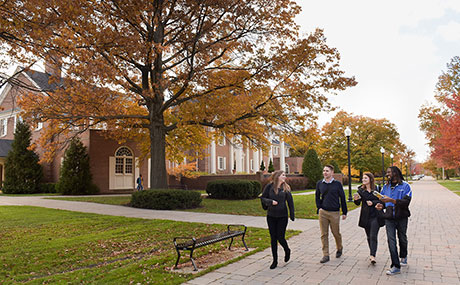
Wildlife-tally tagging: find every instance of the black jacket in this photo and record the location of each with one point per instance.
(368, 212)
(282, 197)
(334, 198)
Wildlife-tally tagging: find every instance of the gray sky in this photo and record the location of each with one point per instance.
(395, 49)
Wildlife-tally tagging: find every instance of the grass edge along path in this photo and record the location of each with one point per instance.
(453, 186)
(305, 207)
(41, 245)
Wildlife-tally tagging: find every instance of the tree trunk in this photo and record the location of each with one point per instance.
(158, 175)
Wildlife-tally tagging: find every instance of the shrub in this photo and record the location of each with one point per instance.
(234, 189)
(165, 199)
(48, 188)
(311, 168)
(75, 177)
(262, 166)
(22, 171)
(297, 183)
(271, 168)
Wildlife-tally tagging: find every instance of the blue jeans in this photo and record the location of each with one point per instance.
(392, 226)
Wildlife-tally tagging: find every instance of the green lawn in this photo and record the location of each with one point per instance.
(451, 185)
(40, 245)
(304, 205)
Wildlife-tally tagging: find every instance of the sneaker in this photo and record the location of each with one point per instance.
(404, 261)
(393, 271)
(338, 253)
(324, 259)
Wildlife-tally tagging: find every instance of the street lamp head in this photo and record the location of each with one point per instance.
(347, 132)
(391, 156)
(400, 160)
(382, 150)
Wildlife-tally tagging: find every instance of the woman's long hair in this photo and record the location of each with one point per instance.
(275, 179)
(371, 181)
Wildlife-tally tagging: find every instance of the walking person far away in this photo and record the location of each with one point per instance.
(330, 198)
(274, 198)
(140, 183)
(369, 218)
(397, 195)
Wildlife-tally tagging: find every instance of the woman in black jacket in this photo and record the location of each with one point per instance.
(274, 198)
(369, 217)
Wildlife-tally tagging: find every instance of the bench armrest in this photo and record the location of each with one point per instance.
(236, 225)
(189, 238)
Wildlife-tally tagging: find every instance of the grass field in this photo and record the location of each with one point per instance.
(304, 205)
(42, 246)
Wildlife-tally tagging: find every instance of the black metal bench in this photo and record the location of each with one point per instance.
(191, 243)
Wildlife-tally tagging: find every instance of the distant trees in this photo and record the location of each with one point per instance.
(441, 121)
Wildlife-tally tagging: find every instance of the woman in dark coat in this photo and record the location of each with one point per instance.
(369, 217)
(274, 198)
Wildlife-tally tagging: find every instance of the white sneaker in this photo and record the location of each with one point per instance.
(393, 271)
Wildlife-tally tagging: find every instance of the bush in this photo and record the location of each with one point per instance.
(234, 189)
(311, 168)
(165, 199)
(48, 188)
(297, 183)
(76, 178)
(271, 168)
(22, 171)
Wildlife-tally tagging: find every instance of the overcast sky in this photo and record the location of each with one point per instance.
(395, 49)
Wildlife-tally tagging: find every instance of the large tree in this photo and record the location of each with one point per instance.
(441, 121)
(160, 71)
(367, 136)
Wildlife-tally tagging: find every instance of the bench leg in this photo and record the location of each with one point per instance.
(193, 261)
(178, 257)
(245, 243)
(230, 244)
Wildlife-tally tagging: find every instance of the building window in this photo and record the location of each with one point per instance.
(3, 127)
(251, 163)
(275, 150)
(39, 126)
(123, 161)
(221, 163)
(286, 167)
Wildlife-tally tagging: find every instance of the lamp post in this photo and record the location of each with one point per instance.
(348, 134)
(391, 156)
(382, 150)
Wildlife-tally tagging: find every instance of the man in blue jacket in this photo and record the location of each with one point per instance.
(397, 196)
(329, 199)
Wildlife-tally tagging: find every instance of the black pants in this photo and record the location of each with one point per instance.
(372, 232)
(392, 227)
(277, 228)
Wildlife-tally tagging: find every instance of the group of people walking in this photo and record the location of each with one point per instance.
(388, 207)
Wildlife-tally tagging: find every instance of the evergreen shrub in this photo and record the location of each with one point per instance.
(75, 177)
(166, 199)
(312, 168)
(234, 189)
(23, 173)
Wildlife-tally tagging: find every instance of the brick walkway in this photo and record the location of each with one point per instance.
(433, 233)
(434, 251)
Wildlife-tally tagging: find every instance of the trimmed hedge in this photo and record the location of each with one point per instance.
(165, 199)
(234, 189)
(48, 188)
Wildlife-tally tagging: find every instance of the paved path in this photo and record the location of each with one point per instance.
(434, 244)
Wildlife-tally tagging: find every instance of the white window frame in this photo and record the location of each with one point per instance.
(3, 127)
(221, 162)
(251, 164)
(39, 126)
(275, 150)
(124, 162)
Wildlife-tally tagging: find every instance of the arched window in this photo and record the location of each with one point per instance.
(123, 161)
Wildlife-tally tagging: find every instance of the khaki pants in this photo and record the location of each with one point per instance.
(327, 218)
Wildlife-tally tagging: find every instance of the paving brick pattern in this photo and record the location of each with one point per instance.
(434, 251)
(433, 234)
